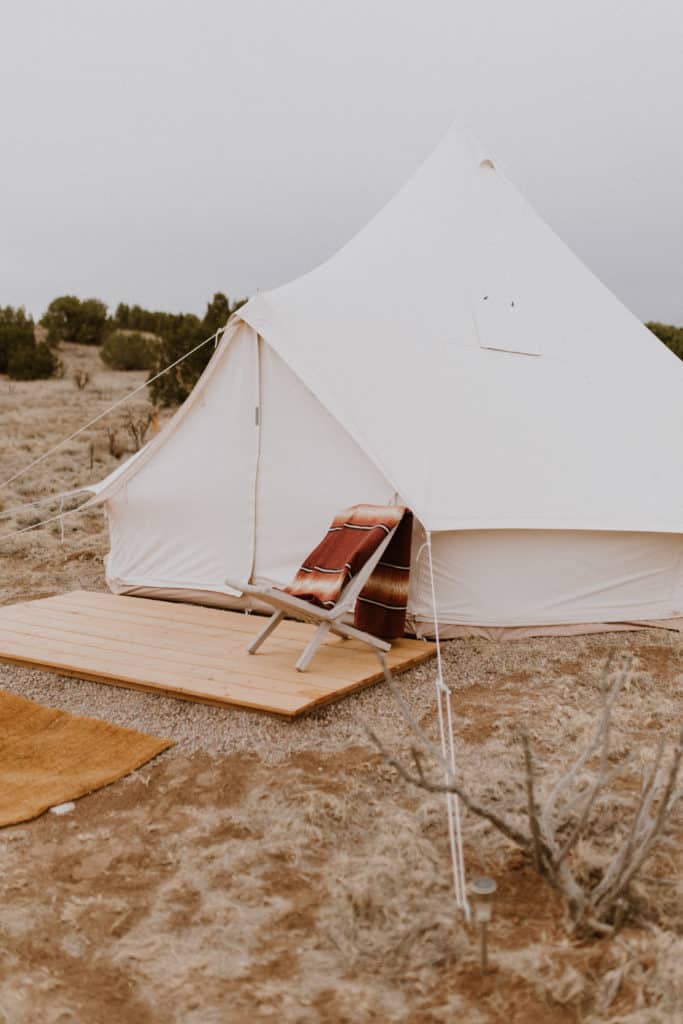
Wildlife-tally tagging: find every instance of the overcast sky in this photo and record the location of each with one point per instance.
(156, 151)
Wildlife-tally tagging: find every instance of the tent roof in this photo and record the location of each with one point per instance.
(491, 377)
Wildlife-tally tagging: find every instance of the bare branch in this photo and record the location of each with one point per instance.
(602, 780)
(417, 758)
(412, 721)
(565, 781)
(597, 906)
(632, 864)
(531, 805)
(611, 878)
(501, 824)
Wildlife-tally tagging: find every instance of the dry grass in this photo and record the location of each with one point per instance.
(594, 795)
(35, 415)
(270, 870)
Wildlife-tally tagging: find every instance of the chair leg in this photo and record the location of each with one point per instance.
(351, 633)
(385, 666)
(270, 625)
(318, 637)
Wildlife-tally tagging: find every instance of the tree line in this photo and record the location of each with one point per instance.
(134, 338)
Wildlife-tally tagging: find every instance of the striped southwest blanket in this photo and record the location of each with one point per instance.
(352, 538)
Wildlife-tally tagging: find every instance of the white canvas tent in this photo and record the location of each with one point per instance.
(454, 356)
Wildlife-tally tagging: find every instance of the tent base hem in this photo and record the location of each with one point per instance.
(425, 630)
(421, 628)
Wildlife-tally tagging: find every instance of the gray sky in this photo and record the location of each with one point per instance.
(155, 151)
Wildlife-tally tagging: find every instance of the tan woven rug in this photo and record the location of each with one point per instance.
(49, 757)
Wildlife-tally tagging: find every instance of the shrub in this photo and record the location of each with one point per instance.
(29, 361)
(135, 318)
(125, 350)
(16, 329)
(70, 319)
(180, 334)
(139, 421)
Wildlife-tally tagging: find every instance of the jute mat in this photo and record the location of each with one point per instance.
(49, 757)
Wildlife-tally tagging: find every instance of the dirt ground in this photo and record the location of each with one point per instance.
(264, 870)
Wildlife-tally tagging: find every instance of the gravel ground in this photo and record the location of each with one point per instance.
(200, 727)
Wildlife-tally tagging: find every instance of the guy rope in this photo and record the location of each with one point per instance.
(60, 444)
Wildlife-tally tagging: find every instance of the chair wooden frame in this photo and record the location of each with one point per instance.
(328, 620)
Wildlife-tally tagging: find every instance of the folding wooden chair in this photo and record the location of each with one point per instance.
(328, 620)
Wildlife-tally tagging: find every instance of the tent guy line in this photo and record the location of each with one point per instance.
(100, 416)
(443, 694)
(9, 512)
(44, 522)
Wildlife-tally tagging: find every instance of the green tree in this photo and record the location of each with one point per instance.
(29, 361)
(217, 313)
(122, 316)
(127, 350)
(16, 329)
(180, 334)
(140, 319)
(70, 319)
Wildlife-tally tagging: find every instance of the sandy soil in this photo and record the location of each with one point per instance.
(267, 870)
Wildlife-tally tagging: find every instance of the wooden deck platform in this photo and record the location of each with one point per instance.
(188, 651)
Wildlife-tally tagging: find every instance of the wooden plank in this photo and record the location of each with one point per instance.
(290, 700)
(239, 622)
(184, 614)
(188, 651)
(227, 635)
(295, 634)
(219, 644)
(140, 665)
(154, 677)
(279, 705)
(168, 611)
(274, 662)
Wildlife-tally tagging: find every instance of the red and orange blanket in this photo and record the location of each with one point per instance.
(353, 537)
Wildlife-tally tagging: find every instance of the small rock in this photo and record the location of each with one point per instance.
(63, 808)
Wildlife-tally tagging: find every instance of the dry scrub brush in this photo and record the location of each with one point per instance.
(574, 808)
(138, 422)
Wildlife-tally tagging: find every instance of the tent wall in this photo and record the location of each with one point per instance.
(235, 492)
(543, 577)
(241, 493)
(185, 517)
(309, 468)
(431, 305)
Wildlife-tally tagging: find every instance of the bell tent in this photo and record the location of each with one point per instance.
(455, 357)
